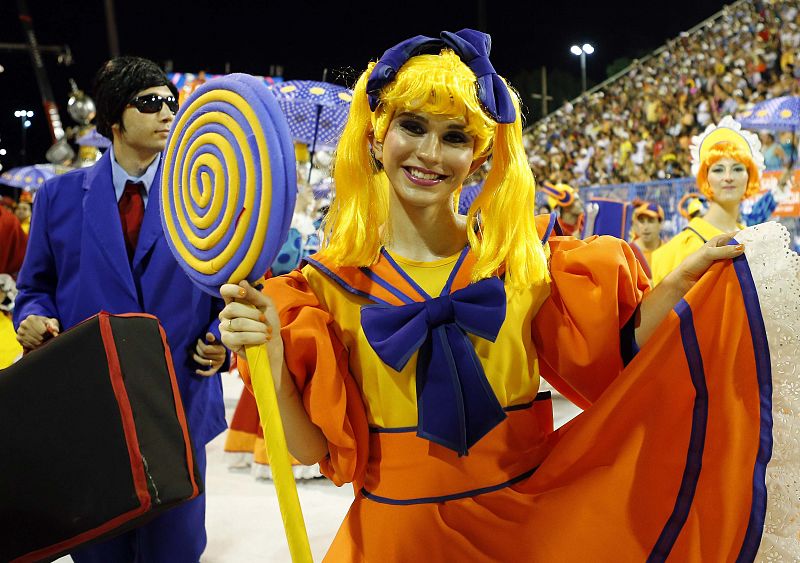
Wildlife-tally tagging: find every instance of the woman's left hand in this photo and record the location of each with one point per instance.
(657, 304)
(696, 264)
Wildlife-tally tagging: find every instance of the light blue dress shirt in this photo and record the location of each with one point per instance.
(120, 177)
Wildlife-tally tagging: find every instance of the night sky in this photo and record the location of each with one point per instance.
(305, 38)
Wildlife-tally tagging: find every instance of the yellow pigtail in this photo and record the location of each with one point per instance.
(507, 207)
(352, 226)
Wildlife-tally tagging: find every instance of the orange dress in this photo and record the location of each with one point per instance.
(667, 462)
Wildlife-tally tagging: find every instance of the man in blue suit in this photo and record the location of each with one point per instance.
(96, 243)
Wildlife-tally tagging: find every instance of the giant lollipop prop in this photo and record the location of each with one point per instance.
(227, 196)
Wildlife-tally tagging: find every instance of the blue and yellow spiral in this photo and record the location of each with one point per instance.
(228, 182)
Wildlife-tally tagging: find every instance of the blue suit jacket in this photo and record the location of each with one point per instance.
(77, 266)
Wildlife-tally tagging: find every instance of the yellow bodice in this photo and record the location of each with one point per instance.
(390, 397)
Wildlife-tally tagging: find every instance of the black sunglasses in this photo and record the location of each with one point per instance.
(151, 103)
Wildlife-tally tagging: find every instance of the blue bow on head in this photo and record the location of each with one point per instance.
(473, 49)
(456, 405)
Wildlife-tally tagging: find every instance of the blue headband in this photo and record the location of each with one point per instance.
(473, 49)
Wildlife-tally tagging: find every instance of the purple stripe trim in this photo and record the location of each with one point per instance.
(445, 498)
(454, 271)
(550, 227)
(522, 407)
(541, 396)
(394, 430)
(404, 275)
(694, 457)
(758, 510)
(347, 287)
(387, 286)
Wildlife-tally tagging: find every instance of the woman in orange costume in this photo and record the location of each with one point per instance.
(408, 352)
(727, 163)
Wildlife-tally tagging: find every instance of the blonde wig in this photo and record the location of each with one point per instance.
(502, 229)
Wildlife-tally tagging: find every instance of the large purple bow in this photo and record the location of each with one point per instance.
(471, 46)
(456, 405)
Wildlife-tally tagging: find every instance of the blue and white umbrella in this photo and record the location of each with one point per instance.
(316, 111)
(778, 114)
(31, 178)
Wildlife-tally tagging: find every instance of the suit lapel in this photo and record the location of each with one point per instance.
(101, 222)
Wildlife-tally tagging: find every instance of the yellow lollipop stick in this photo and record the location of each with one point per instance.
(281, 465)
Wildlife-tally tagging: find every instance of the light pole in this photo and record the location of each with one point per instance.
(582, 52)
(24, 122)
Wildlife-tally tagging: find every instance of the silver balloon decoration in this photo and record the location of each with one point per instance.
(80, 106)
(82, 109)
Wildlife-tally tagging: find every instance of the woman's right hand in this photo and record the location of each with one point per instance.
(250, 319)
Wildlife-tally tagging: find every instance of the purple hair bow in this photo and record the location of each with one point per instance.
(471, 46)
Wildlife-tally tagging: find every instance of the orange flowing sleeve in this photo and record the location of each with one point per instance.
(318, 362)
(584, 329)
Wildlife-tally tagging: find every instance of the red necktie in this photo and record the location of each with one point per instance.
(131, 213)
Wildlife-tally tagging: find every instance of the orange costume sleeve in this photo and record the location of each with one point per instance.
(318, 363)
(597, 285)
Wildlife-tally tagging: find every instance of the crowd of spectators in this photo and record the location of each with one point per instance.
(638, 127)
